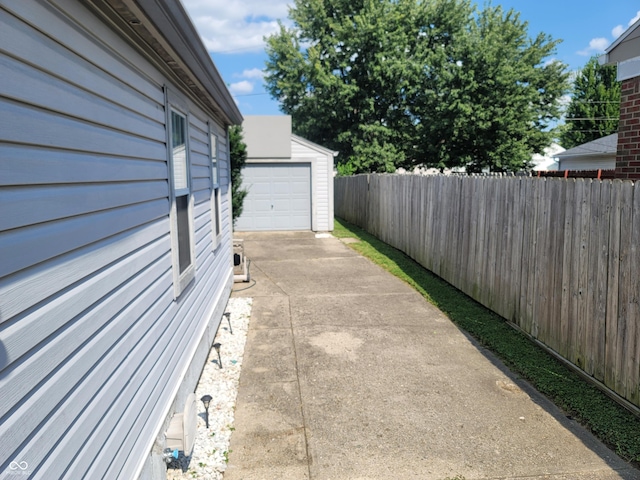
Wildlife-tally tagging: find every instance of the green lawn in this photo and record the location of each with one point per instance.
(610, 422)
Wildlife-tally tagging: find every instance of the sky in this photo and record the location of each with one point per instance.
(233, 32)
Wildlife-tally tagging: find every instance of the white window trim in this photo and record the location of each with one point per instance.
(229, 194)
(216, 204)
(174, 103)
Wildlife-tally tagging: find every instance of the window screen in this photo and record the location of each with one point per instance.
(179, 151)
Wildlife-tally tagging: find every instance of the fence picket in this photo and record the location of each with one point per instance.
(592, 278)
(516, 245)
(633, 352)
(602, 282)
(626, 333)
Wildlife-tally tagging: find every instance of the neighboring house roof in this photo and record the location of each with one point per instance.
(315, 146)
(602, 146)
(163, 27)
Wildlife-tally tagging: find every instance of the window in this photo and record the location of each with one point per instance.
(216, 225)
(214, 159)
(182, 246)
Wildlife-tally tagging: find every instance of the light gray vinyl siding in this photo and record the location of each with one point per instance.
(590, 162)
(322, 183)
(92, 343)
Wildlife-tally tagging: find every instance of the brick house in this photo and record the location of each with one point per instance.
(625, 53)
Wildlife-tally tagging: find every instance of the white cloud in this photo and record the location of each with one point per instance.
(240, 88)
(596, 45)
(252, 73)
(620, 29)
(228, 26)
(551, 61)
(617, 31)
(573, 74)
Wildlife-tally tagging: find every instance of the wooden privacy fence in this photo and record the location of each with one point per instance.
(557, 257)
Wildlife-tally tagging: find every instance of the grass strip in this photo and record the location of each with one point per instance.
(607, 420)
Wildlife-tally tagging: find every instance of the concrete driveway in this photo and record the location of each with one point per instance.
(350, 374)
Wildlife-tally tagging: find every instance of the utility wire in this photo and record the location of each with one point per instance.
(600, 119)
(250, 94)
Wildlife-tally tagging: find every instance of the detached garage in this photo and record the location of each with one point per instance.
(289, 179)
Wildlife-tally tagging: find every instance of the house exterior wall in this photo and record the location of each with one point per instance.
(321, 183)
(591, 162)
(95, 352)
(628, 154)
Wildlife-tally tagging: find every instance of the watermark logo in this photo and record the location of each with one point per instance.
(17, 469)
(18, 465)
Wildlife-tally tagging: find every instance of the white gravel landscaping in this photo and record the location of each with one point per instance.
(210, 453)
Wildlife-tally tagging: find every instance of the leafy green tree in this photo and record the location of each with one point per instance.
(238, 156)
(393, 83)
(493, 96)
(594, 109)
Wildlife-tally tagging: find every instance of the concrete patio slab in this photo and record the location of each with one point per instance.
(350, 374)
(355, 309)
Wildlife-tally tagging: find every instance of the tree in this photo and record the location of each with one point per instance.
(494, 96)
(594, 109)
(238, 156)
(393, 83)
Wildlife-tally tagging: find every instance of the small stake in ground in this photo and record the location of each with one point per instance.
(228, 315)
(217, 347)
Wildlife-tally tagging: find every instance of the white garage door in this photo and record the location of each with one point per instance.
(279, 197)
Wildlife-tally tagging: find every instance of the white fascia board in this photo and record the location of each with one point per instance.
(629, 69)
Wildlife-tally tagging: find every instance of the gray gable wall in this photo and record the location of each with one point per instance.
(267, 136)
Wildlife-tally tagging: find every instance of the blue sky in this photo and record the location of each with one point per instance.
(233, 31)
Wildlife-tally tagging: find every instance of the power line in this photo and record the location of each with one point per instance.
(235, 50)
(603, 119)
(250, 94)
(595, 101)
(589, 131)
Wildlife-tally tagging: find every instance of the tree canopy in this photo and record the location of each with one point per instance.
(400, 83)
(594, 109)
(238, 157)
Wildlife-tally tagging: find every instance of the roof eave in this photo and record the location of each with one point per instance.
(607, 58)
(311, 144)
(592, 154)
(176, 26)
(164, 28)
